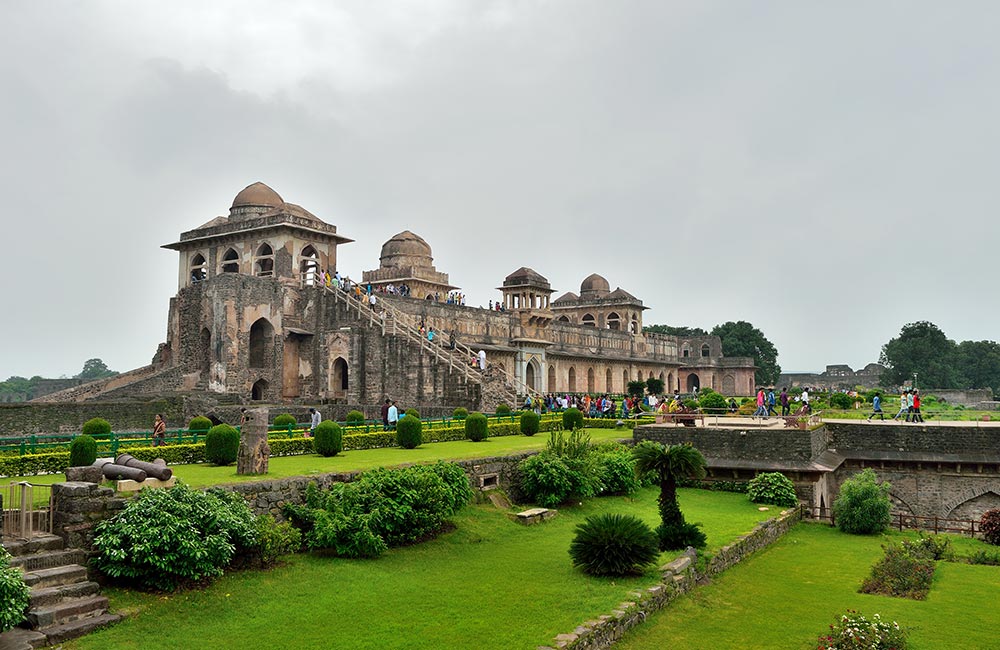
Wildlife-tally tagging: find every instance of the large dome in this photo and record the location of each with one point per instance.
(405, 248)
(257, 195)
(593, 285)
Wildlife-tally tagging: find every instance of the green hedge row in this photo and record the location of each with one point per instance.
(610, 423)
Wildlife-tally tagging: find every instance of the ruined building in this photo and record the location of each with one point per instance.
(253, 319)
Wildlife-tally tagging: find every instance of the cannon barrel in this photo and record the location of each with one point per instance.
(158, 470)
(117, 472)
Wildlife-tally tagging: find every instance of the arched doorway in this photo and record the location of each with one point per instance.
(607, 381)
(309, 267)
(590, 380)
(572, 380)
(529, 375)
(552, 379)
(261, 342)
(692, 383)
(339, 379)
(258, 392)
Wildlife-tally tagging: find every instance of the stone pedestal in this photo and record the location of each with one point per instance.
(254, 452)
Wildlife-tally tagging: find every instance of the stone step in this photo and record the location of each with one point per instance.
(73, 629)
(45, 596)
(49, 559)
(42, 542)
(19, 638)
(66, 611)
(61, 575)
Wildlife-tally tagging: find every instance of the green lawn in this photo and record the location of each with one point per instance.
(788, 594)
(490, 583)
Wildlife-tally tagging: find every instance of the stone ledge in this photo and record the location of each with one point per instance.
(533, 516)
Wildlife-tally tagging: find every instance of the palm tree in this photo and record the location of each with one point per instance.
(671, 463)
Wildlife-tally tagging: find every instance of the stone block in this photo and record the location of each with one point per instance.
(73, 489)
(677, 566)
(129, 485)
(85, 474)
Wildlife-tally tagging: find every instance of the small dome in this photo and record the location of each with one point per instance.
(257, 195)
(405, 247)
(594, 284)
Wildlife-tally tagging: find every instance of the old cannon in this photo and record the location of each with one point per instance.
(116, 472)
(157, 469)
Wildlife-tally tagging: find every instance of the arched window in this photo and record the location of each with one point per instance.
(309, 266)
(614, 321)
(607, 381)
(264, 264)
(590, 380)
(340, 377)
(572, 380)
(705, 350)
(563, 319)
(231, 262)
(199, 270)
(261, 342)
(588, 320)
(634, 325)
(685, 351)
(258, 392)
(552, 378)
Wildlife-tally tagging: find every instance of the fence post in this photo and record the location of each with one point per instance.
(935, 524)
(900, 516)
(33, 442)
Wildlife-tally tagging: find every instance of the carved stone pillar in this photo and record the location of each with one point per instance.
(254, 452)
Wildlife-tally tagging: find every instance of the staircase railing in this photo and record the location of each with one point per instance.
(22, 517)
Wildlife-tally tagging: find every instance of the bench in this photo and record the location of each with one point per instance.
(686, 419)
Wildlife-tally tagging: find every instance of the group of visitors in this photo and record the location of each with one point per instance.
(390, 415)
(909, 406)
(497, 306)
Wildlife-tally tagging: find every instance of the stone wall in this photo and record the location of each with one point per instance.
(68, 417)
(677, 578)
(854, 440)
(751, 444)
(77, 507)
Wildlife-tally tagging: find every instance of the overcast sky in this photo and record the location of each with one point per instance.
(824, 170)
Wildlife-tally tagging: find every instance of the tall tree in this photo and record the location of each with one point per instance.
(674, 331)
(921, 349)
(978, 364)
(95, 369)
(741, 339)
(671, 464)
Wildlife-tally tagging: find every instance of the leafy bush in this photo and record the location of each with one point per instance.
(713, 402)
(572, 419)
(654, 385)
(460, 413)
(548, 481)
(273, 541)
(613, 545)
(529, 423)
(692, 403)
(476, 428)
(863, 506)
(928, 547)
(408, 432)
(199, 423)
(222, 442)
(502, 409)
(615, 469)
(636, 388)
(855, 632)
(354, 418)
(383, 508)
(14, 594)
(82, 451)
(985, 557)
(328, 439)
(414, 412)
(900, 574)
(164, 538)
(841, 401)
(96, 427)
(774, 488)
(679, 536)
(989, 525)
(284, 420)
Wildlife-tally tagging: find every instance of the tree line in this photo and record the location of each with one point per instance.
(923, 352)
(739, 339)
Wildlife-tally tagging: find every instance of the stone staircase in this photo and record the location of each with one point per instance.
(64, 603)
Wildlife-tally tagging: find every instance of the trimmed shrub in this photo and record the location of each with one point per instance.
(96, 427)
(613, 545)
(615, 469)
(82, 451)
(841, 401)
(476, 428)
(414, 412)
(199, 423)
(572, 419)
(863, 506)
(774, 488)
(529, 423)
(502, 409)
(14, 594)
(546, 479)
(328, 439)
(164, 538)
(284, 420)
(354, 418)
(855, 632)
(408, 432)
(713, 402)
(989, 525)
(654, 385)
(222, 442)
(460, 413)
(900, 574)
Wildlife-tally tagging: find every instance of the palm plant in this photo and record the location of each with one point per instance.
(672, 463)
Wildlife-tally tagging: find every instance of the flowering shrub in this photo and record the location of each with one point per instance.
(990, 526)
(855, 632)
(900, 574)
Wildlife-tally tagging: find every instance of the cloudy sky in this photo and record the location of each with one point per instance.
(826, 171)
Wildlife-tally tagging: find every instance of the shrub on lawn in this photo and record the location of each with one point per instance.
(613, 545)
(928, 547)
(14, 594)
(900, 574)
(460, 413)
(713, 402)
(328, 439)
(855, 632)
(615, 469)
(841, 401)
(502, 409)
(199, 423)
(985, 557)
(284, 420)
(566, 469)
(383, 508)
(164, 538)
(82, 451)
(990, 526)
(671, 464)
(572, 419)
(408, 432)
(774, 488)
(863, 506)
(273, 541)
(530, 422)
(476, 428)
(354, 418)
(96, 427)
(414, 412)
(222, 442)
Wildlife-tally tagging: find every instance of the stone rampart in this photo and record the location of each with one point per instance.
(68, 417)
(749, 444)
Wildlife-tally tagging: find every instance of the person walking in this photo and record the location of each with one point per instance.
(785, 410)
(770, 402)
(314, 420)
(805, 401)
(761, 412)
(371, 300)
(876, 408)
(904, 405)
(393, 415)
(159, 431)
(482, 360)
(915, 403)
(385, 415)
